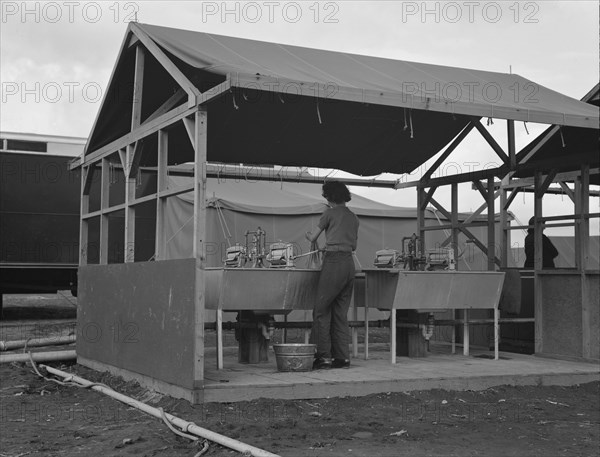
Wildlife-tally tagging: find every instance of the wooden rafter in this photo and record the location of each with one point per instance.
(427, 197)
(168, 105)
(461, 136)
(176, 73)
(482, 190)
(491, 141)
(510, 198)
(138, 88)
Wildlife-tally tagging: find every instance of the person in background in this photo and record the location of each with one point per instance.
(330, 330)
(549, 252)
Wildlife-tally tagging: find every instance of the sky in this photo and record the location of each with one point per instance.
(56, 57)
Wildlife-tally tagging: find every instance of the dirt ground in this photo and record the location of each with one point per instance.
(41, 418)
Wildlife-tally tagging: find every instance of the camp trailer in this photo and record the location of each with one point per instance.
(39, 213)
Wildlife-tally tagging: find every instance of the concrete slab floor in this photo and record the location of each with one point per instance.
(439, 370)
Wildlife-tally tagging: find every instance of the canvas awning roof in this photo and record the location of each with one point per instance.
(270, 103)
(565, 148)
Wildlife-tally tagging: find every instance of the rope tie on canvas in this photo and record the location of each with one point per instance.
(525, 125)
(411, 123)
(319, 112)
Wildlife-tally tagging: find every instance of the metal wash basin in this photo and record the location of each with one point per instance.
(433, 290)
(263, 290)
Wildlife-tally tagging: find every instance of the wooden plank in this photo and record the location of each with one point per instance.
(160, 250)
(504, 223)
(510, 199)
(491, 226)
(442, 210)
(168, 105)
(219, 322)
(567, 190)
(454, 217)
(393, 331)
(461, 136)
(482, 190)
(161, 122)
(539, 145)
(538, 291)
(189, 125)
(465, 332)
(492, 142)
(510, 133)
(427, 197)
(87, 174)
(199, 242)
(84, 206)
(583, 229)
(104, 195)
(496, 333)
(421, 205)
(130, 183)
(138, 88)
(172, 69)
(545, 182)
(458, 178)
(134, 157)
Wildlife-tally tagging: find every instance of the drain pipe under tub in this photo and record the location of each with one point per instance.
(185, 426)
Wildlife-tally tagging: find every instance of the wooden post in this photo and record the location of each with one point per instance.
(367, 318)
(219, 322)
(161, 202)
(582, 229)
(454, 214)
(504, 224)
(504, 204)
(510, 134)
(496, 332)
(491, 228)
(104, 191)
(393, 335)
(129, 210)
(199, 243)
(465, 332)
(537, 288)
(421, 207)
(454, 234)
(354, 329)
(84, 205)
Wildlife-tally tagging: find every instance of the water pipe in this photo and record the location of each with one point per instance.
(185, 426)
(31, 342)
(51, 356)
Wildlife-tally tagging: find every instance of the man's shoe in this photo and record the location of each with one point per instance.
(340, 363)
(321, 364)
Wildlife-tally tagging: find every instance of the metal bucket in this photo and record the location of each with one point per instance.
(294, 357)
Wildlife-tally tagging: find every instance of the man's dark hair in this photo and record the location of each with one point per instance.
(336, 192)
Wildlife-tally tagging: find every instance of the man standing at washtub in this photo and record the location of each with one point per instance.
(330, 330)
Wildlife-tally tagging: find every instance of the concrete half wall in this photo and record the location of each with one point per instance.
(139, 318)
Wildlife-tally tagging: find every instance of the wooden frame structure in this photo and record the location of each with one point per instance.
(187, 109)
